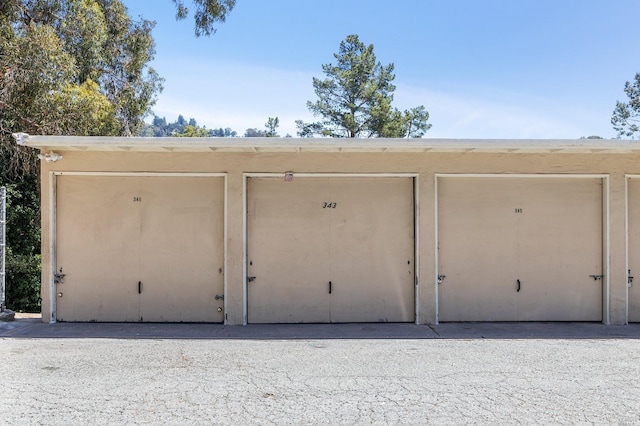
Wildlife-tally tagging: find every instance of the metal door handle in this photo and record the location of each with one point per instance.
(330, 285)
(139, 287)
(519, 285)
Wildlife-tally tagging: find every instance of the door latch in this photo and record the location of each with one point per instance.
(250, 279)
(219, 296)
(58, 278)
(630, 278)
(441, 278)
(596, 277)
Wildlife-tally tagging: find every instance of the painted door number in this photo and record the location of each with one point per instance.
(329, 205)
(137, 199)
(518, 210)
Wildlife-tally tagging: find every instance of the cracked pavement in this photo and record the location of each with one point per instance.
(320, 381)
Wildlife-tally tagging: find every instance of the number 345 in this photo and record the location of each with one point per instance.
(329, 205)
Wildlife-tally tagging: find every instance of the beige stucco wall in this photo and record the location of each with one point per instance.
(424, 164)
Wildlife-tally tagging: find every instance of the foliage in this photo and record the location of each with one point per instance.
(130, 84)
(272, 125)
(84, 108)
(224, 133)
(309, 130)
(414, 123)
(193, 132)
(160, 128)
(23, 244)
(626, 116)
(354, 100)
(23, 203)
(207, 14)
(23, 282)
(59, 55)
(255, 133)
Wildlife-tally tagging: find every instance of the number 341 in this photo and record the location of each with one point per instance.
(329, 205)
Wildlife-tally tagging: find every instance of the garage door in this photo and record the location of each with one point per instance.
(520, 249)
(330, 249)
(633, 197)
(140, 248)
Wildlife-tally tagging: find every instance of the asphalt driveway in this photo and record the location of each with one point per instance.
(313, 374)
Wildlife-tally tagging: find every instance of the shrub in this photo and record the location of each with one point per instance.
(23, 259)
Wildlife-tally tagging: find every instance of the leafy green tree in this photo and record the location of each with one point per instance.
(129, 83)
(157, 128)
(81, 58)
(207, 13)
(414, 123)
(626, 115)
(272, 127)
(254, 133)
(160, 128)
(355, 97)
(227, 132)
(74, 104)
(160, 122)
(218, 132)
(193, 132)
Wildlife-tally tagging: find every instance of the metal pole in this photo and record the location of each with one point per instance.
(3, 244)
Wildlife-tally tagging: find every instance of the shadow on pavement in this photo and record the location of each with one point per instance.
(33, 328)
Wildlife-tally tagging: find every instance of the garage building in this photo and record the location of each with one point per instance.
(274, 230)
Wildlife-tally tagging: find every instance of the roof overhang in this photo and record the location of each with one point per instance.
(271, 145)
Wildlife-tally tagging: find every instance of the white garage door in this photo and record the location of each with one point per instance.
(520, 249)
(146, 248)
(330, 249)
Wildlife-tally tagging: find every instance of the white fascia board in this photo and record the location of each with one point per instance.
(171, 144)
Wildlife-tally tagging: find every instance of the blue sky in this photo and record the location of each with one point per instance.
(482, 68)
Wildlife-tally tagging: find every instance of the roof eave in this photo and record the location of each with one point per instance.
(271, 145)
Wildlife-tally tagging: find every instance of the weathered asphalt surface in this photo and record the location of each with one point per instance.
(351, 374)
